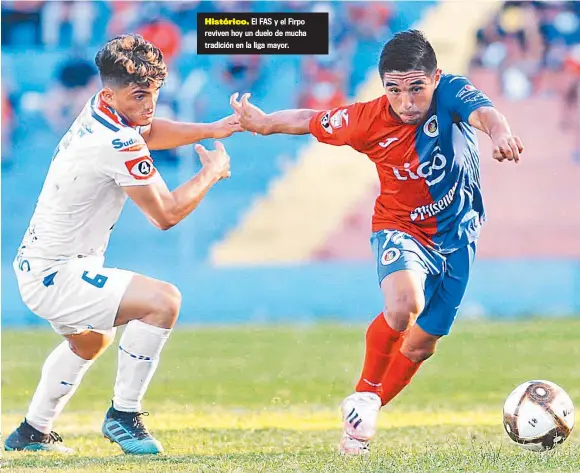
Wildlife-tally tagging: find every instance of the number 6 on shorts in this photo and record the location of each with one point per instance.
(98, 281)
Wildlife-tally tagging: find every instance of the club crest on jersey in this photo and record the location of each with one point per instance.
(337, 119)
(325, 122)
(431, 127)
(390, 256)
(141, 168)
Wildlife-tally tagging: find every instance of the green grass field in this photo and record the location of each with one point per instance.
(265, 399)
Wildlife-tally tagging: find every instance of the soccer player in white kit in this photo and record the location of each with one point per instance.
(102, 159)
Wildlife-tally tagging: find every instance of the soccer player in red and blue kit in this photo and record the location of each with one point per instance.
(429, 213)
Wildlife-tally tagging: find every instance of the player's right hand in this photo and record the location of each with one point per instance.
(216, 162)
(506, 147)
(251, 117)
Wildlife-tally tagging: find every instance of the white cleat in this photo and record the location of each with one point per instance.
(350, 446)
(360, 413)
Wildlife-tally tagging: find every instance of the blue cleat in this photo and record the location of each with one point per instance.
(127, 430)
(27, 438)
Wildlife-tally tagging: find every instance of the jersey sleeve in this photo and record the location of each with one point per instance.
(339, 126)
(461, 97)
(127, 160)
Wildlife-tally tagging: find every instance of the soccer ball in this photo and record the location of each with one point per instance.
(538, 415)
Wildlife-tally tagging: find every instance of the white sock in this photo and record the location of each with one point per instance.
(61, 375)
(139, 350)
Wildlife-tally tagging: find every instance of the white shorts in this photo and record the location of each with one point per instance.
(75, 295)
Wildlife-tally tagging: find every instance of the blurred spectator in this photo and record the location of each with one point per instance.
(171, 25)
(370, 19)
(165, 35)
(528, 36)
(324, 90)
(342, 41)
(77, 80)
(7, 129)
(184, 13)
(78, 16)
(535, 48)
(233, 5)
(124, 16)
(21, 22)
(571, 118)
(241, 72)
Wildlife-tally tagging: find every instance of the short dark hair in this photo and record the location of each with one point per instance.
(408, 51)
(130, 59)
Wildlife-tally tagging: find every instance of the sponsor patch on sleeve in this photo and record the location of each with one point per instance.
(339, 118)
(127, 146)
(470, 94)
(325, 122)
(141, 168)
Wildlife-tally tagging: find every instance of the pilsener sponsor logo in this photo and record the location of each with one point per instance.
(430, 210)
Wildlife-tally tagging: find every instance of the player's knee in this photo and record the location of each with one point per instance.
(90, 345)
(168, 304)
(403, 311)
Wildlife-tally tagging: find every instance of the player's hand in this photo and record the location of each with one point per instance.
(227, 126)
(216, 162)
(251, 117)
(507, 146)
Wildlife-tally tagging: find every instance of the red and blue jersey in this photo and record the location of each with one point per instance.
(429, 173)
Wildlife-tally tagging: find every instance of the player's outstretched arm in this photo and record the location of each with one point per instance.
(252, 118)
(495, 125)
(167, 134)
(166, 209)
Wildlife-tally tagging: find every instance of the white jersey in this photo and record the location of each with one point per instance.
(82, 196)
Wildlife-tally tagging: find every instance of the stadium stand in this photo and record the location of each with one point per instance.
(273, 176)
(198, 89)
(526, 59)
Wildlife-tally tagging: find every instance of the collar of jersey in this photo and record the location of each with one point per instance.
(102, 110)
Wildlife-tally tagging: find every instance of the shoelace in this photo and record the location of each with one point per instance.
(53, 437)
(136, 421)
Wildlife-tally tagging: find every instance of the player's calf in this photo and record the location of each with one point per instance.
(419, 345)
(89, 345)
(61, 375)
(150, 308)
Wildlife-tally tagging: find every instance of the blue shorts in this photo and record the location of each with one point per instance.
(444, 276)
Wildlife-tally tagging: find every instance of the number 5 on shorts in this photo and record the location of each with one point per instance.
(98, 281)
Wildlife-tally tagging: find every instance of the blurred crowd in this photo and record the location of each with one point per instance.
(79, 28)
(534, 46)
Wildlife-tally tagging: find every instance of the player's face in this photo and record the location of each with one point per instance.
(410, 93)
(136, 103)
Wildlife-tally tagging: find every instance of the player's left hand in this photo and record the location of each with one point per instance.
(216, 162)
(227, 126)
(507, 146)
